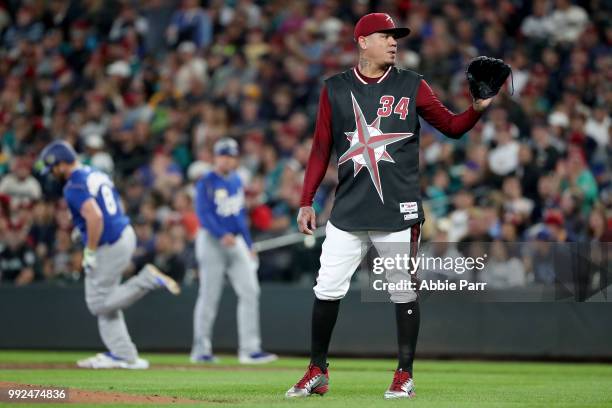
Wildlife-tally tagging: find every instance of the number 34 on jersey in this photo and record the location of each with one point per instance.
(388, 106)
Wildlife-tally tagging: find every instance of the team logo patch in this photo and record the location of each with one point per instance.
(220, 194)
(409, 207)
(368, 146)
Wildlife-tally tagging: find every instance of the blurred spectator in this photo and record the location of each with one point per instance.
(528, 172)
(538, 26)
(546, 155)
(498, 122)
(502, 269)
(162, 175)
(192, 68)
(167, 255)
(133, 196)
(572, 218)
(504, 158)
(96, 156)
(148, 212)
(26, 29)
(260, 213)
(145, 243)
(158, 14)
(19, 184)
(598, 126)
(182, 203)
(473, 178)
(555, 225)
(568, 21)
(246, 8)
(42, 232)
(129, 25)
(517, 208)
(18, 261)
(540, 256)
(463, 201)
(174, 142)
(61, 261)
(599, 228)
(201, 165)
(437, 193)
(578, 176)
(190, 23)
(4, 154)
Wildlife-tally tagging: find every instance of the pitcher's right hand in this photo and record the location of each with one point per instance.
(307, 220)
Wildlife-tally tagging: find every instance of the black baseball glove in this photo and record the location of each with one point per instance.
(486, 76)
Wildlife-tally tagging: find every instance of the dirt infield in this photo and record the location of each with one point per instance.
(103, 397)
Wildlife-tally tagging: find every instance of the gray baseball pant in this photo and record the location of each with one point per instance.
(215, 261)
(106, 296)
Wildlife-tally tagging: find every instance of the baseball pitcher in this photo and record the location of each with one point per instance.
(223, 247)
(369, 115)
(109, 242)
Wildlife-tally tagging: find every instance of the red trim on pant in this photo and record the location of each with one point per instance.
(415, 234)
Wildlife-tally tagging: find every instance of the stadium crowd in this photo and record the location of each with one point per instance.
(143, 89)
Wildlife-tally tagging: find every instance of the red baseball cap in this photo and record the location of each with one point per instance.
(378, 23)
(553, 217)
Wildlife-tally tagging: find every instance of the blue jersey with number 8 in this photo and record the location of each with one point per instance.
(85, 183)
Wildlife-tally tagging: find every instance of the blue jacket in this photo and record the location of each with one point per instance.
(220, 205)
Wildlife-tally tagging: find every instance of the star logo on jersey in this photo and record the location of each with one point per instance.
(368, 146)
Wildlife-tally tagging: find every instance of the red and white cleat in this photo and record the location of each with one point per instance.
(401, 387)
(315, 381)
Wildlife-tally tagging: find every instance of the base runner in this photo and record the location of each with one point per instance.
(109, 242)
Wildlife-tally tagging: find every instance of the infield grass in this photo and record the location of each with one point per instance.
(353, 382)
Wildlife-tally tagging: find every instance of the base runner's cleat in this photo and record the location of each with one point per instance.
(108, 360)
(315, 381)
(260, 357)
(164, 280)
(401, 387)
(204, 358)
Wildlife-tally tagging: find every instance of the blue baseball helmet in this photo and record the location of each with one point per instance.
(56, 152)
(226, 147)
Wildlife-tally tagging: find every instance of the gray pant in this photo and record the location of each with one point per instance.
(214, 262)
(106, 296)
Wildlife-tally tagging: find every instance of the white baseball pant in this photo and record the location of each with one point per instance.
(342, 253)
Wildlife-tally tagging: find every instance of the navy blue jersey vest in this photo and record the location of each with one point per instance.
(375, 132)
